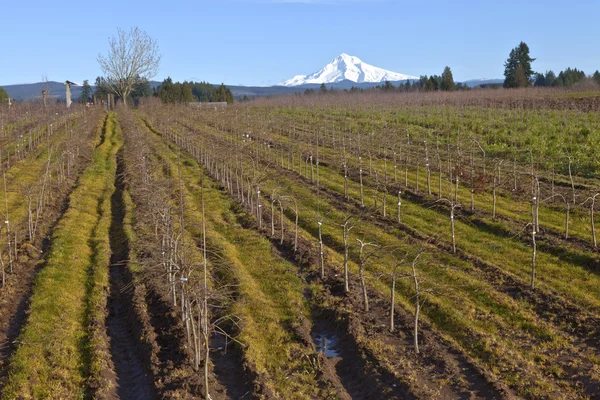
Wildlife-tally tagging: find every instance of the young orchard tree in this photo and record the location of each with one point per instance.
(273, 201)
(133, 57)
(571, 178)
(347, 226)
(363, 257)
(399, 206)
(534, 230)
(567, 210)
(452, 205)
(320, 220)
(592, 199)
(428, 168)
(398, 262)
(495, 185)
(360, 174)
(295, 203)
(418, 291)
(484, 158)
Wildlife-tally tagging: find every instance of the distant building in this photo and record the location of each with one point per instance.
(214, 104)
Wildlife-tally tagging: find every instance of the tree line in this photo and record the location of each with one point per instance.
(168, 91)
(518, 72)
(187, 92)
(444, 82)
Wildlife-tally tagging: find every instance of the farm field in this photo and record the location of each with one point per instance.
(308, 247)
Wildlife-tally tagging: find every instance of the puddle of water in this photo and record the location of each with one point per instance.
(326, 342)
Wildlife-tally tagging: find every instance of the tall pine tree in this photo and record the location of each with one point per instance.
(86, 92)
(447, 80)
(517, 68)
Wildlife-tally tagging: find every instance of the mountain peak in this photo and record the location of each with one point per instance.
(347, 67)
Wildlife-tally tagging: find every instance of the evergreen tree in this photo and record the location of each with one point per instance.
(447, 80)
(186, 93)
(520, 77)
(202, 91)
(101, 90)
(569, 77)
(539, 80)
(86, 92)
(388, 86)
(422, 84)
(323, 88)
(3, 96)
(517, 68)
(141, 89)
(597, 77)
(550, 78)
(432, 83)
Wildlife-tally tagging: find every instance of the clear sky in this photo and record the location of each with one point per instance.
(263, 42)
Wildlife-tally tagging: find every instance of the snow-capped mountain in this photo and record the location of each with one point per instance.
(346, 67)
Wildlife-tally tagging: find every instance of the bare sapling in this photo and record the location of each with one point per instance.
(347, 226)
(394, 276)
(295, 203)
(345, 165)
(533, 242)
(273, 200)
(7, 224)
(418, 305)
(321, 250)
(2, 264)
(360, 171)
(399, 206)
(363, 257)
(571, 179)
(395, 169)
(452, 205)
(204, 313)
(317, 162)
(472, 181)
(592, 199)
(258, 207)
(439, 161)
(536, 203)
(484, 159)
(496, 183)
(428, 168)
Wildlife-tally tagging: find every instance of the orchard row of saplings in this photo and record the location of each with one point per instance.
(490, 272)
(37, 179)
(394, 374)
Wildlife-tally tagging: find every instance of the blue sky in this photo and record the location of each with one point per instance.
(263, 42)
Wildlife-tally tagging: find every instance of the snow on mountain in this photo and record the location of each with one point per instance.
(346, 67)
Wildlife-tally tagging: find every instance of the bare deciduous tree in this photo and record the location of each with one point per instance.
(132, 56)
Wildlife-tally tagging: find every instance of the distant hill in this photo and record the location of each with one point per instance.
(483, 81)
(31, 91)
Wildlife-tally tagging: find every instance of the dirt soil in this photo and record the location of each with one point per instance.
(132, 380)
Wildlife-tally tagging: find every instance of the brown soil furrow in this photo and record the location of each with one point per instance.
(132, 379)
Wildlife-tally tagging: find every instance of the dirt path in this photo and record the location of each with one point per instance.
(228, 370)
(132, 380)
